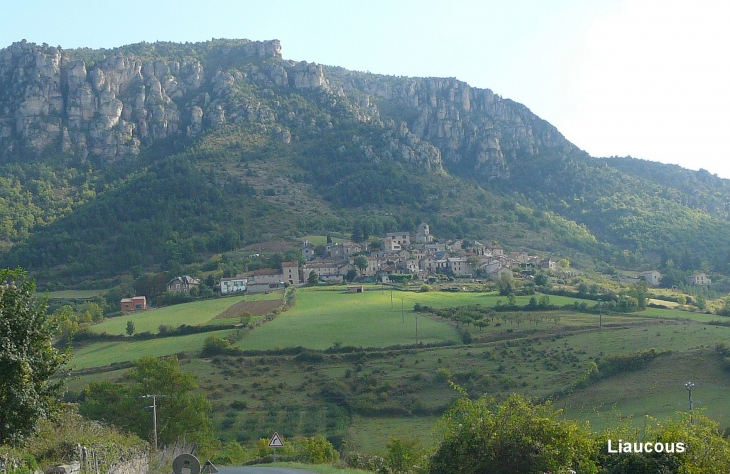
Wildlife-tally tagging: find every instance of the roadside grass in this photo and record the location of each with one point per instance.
(105, 353)
(318, 468)
(193, 314)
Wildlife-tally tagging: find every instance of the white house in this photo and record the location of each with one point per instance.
(233, 285)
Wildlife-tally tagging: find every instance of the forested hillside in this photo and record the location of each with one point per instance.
(156, 155)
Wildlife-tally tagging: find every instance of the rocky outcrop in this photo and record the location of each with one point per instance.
(474, 129)
(52, 100)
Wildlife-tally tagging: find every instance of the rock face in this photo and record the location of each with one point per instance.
(475, 130)
(50, 100)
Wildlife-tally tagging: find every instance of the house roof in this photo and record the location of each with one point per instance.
(289, 264)
(236, 278)
(266, 271)
(188, 280)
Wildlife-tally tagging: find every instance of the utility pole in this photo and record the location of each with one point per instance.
(402, 315)
(689, 386)
(600, 314)
(416, 329)
(154, 414)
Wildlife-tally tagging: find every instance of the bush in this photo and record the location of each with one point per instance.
(215, 345)
(315, 450)
(405, 456)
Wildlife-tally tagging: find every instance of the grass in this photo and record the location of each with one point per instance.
(74, 294)
(367, 398)
(322, 317)
(105, 353)
(193, 314)
(657, 391)
(371, 434)
(318, 468)
(321, 239)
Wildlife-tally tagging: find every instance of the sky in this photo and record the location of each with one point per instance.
(642, 78)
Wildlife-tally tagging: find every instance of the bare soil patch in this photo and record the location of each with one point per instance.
(255, 308)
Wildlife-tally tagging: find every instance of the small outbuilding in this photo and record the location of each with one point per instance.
(355, 289)
(136, 303)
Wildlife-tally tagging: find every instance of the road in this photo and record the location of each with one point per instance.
(261, 470)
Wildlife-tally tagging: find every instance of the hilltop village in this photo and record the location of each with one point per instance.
(397, 257)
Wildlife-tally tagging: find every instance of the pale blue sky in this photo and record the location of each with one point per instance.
(646, 78)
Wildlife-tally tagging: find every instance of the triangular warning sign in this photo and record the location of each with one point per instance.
(208, 468)
(276, 441)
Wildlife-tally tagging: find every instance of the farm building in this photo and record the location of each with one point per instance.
(133, 304)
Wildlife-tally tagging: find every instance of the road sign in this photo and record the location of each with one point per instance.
(208, 468)
(186, 464)
(276, 441)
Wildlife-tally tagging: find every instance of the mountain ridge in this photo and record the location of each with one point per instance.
(321, 147)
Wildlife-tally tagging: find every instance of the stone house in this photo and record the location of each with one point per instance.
(652, 277)
(497, 274)
(182, 284)
(698, 279)
(401, 238)
(423, 235)
(308, 251)
(290, 272)
(391, 245)
(459, 267)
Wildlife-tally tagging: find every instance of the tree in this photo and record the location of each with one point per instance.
(130, 327)
(541, 279)
(181, 410)
(313, 278)
(361, 262)
(28, 360)
(506, 284)
(515, 436)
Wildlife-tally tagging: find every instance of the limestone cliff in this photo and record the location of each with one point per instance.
(476, 130)
(114, 103)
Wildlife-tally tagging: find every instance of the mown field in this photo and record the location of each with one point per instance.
(323, 318)
(393, 387)
(193, 314)
(74, 294)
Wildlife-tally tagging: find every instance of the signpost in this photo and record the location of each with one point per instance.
(276, 442)
(186, 464)
(208, 468)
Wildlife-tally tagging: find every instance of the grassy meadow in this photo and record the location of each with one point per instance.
(323, 317)
(394, 387)
(193, 314)
(110, 352)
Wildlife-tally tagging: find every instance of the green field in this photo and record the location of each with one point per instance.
(323, 317)
(368, 397)
(657, 391)
(321, 239)
(73, 294)
(193, 314)
(105, 353)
